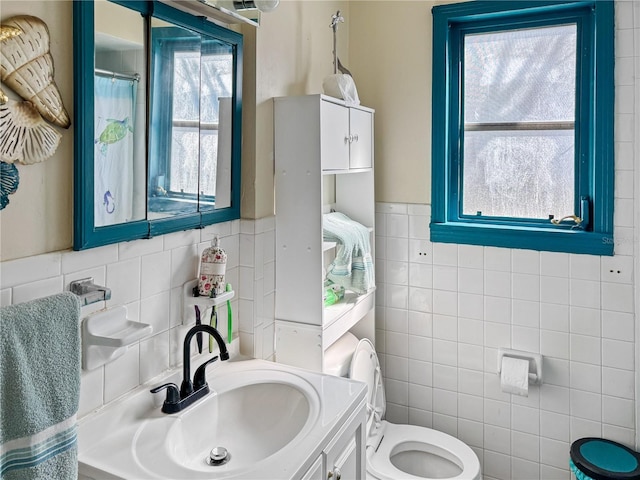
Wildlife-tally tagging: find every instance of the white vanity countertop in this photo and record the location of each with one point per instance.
(131, 438)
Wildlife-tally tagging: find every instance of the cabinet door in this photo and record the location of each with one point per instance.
(361, 131)
(345, 465)
(315, 471)
(335, 136)
(345, 455)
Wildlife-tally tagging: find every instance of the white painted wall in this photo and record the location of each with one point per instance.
(391, 63)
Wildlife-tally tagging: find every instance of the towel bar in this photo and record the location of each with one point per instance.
(89, 292)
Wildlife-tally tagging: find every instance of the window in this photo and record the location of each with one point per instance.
(196, 118)
(522, 127)
(185, 136)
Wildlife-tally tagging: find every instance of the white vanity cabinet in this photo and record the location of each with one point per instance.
(277, 423)
(344, 457)
(323, 162)
(315, 471)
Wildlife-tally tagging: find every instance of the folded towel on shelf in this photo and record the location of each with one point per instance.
(40, 388)
(353, 266)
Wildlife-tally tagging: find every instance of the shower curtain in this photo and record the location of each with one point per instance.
(115, 101)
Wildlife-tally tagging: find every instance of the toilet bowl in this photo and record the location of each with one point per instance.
(405, 452)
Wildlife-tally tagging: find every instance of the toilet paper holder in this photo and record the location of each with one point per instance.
(535, 363)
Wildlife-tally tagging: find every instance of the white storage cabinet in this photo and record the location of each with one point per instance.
(344, 457)
(323, 162)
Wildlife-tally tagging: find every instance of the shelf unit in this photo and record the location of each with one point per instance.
(324, 162)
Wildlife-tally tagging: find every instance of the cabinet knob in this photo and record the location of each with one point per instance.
(336, 473)
(348, 139)
(354, 137)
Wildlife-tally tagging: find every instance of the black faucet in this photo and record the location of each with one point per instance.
(191, 391)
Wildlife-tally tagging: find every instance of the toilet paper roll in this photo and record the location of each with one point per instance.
(514, 376)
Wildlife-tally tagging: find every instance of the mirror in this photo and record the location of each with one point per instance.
(119, 115)
(158, 109)
(190, 152)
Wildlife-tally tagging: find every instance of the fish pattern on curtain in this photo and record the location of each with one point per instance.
(115, 101)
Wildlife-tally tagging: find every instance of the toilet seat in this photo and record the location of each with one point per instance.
(366, 368)
(387, 440)
(401, 438)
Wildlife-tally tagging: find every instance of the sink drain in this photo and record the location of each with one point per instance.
(218, 456)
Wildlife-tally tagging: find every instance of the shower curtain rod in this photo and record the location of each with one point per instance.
(107, 73)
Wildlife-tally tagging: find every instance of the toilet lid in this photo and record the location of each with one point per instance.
(366, 368)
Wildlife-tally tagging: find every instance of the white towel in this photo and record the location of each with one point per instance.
(353, 265)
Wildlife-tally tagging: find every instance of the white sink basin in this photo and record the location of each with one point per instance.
(268, 417)
(250, 417)
(251, 422)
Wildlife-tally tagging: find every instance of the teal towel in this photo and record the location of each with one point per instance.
(40, 388)
(353, 266)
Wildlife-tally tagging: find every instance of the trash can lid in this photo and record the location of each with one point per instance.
(604, 459)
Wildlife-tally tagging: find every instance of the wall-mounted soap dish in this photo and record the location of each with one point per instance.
(106, 335)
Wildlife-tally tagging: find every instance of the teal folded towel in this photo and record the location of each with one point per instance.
(40, 388)
(353, 266)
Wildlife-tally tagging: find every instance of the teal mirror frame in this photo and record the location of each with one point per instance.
(86, 234)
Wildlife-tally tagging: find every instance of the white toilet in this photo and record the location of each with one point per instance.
(405, 452)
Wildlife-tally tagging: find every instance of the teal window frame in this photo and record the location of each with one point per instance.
(594, 121)
(167, 42)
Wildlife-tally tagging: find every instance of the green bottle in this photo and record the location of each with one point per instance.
(333, 294)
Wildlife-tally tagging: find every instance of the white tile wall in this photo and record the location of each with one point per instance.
(464, 302)
(147, 277)
(257, 287)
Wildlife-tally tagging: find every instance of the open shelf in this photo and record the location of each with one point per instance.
(326, 246)
(343, 315)
(346, 170)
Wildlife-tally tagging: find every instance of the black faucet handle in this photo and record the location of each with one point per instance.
(199, 379)
(173, 394)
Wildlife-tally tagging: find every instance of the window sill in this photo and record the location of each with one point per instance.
(568, 241)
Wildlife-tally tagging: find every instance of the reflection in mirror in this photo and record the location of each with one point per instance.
(159, 154)
(190, 140)
(119, 115)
